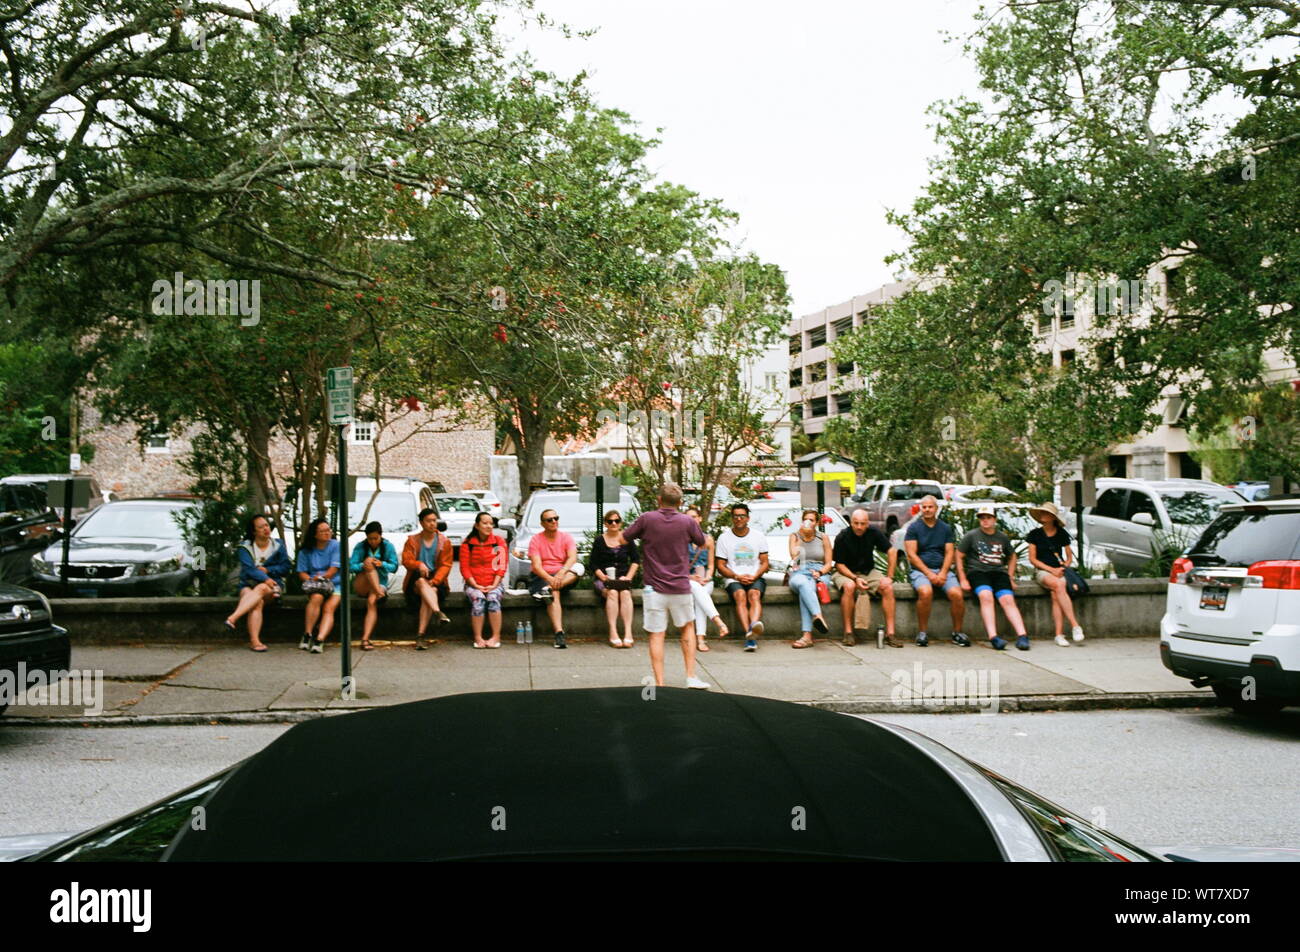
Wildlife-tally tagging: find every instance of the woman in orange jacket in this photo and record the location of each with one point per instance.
(427, 558)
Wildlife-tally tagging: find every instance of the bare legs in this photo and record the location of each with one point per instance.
(687, 633)
(989, 614)
(367, 585)
(1062, 606)
(324, 610)
(925, 601)
(427, 592)
(251, 602)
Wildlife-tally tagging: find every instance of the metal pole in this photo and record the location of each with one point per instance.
(821, 502)
(600, 503)
(67, 529)
(1078, 520)
(347, 690)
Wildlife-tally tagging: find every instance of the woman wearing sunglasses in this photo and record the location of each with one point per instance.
(613, 564)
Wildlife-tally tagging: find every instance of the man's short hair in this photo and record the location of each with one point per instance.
(542, 517)
(931, 497)
(671, 495)
(860, 509)
(739, 505)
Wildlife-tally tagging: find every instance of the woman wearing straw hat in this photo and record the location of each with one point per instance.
(1049, 553)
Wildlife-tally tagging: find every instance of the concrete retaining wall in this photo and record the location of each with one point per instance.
(1116, 607)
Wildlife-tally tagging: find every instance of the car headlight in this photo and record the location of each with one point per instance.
(159, 568)
(41, 567)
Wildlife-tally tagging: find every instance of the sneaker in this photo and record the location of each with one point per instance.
(544, 595)
(959, 638)
(996, 643)
(697, 684)
(1077, 632)
(306, 642)
(1022, 643)
(756, 630)
(1062, 641)
(849, 639)
(751, 644)
(922, 639)
(892, 642)
(317, 647)
(559, 640)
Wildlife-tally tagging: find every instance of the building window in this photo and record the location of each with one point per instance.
(816, 372)
(772, 381)
(796, 376)
(1117, 466)
(362, 433)
(1045, 323)
(796, 344)
(842, 327)
(1175, 285)
(1188, 468)
(863, 316)
(843, 402)
(817, 407)
(796, 412)
(844, 369)
(1067, 358)
(158, 442)
(817, 336)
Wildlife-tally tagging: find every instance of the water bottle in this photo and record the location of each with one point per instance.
(880, 636)
(528, 632)
(519, 633)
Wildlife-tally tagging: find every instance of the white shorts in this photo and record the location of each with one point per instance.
(656, 609)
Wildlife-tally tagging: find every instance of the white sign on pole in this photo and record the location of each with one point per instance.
(338, 390)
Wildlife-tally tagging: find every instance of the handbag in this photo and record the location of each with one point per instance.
(1075, 586)
(318, 586)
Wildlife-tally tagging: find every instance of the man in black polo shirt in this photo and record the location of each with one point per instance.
(858, 578)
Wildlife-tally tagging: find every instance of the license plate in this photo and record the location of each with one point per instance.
(1214, 597)
(88, 592)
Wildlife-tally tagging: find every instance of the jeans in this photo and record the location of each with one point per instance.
(704, 607)
(804, 586)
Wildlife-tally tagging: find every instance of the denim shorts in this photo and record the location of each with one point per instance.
(920, 581)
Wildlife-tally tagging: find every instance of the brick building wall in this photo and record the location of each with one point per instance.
(428, 446)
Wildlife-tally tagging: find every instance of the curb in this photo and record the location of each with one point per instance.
(1023, 703)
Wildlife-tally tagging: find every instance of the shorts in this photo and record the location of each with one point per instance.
(481, 601)
(919, 581)
(1041, 579)
(999, 583)
(534, 583)
(758, 585)
(658, 608)
(874, 579)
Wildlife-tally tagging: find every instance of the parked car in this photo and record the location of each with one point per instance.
(40, 481)
(889, 501)
(552, 756)
(971, 493)
(1134, 518)
(1014, 519)
(131, 547)
(395, 503)
(1233, 607)
(1251, 490)
(27, 526)
(28, 636)
(578, 519)
(776, 519)
(490, 500)
(459, 513)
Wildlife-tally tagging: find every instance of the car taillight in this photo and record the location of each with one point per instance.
(1276, 574)
(1181, 569)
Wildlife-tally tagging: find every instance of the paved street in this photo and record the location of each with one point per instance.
(1156, 777)
(162, 681)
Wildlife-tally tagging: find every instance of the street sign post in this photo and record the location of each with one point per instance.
(338, 390)
(1076, 493)
(67, 493)
(600, 490)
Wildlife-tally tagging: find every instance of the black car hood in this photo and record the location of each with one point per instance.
(16, 593)
(588, 773)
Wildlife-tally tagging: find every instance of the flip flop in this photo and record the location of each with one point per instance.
(366, 646)
(257, 648)
(701, 646)
(491, 645)
(615, 643)
(478, 645)
(801, 644)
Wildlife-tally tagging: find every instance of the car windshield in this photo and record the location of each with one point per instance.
(396, 512)
(131, 522)
(1196, 507)
(574, 516)
(915, 491)
(782, 520)
(1243, 538)
(457, 504)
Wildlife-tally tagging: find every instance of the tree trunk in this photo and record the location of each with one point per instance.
(256, 456)
(530, 450)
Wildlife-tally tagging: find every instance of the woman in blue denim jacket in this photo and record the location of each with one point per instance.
(263, 565)
(320, 570)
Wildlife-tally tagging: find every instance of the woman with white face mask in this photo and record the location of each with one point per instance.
(809, 553)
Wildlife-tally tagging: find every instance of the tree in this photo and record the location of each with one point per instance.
(1094, 151)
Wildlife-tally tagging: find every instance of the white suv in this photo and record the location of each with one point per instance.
(1232, 616)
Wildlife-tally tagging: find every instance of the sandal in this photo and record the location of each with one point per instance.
(723, 630)
(802, 644)
(366, 645)
(628, 642)
(258, 647)
(479, 644)
(700, 644)
(615, 643)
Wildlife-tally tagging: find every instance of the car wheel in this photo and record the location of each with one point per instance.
(1229, 693)
(891, 527)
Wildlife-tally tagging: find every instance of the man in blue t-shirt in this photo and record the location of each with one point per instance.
(929, 544)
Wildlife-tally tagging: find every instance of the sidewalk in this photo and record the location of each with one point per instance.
(162, 684)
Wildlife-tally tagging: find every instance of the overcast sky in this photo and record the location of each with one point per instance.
(807, 119)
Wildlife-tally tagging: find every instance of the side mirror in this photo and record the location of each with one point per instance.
(1143, 519)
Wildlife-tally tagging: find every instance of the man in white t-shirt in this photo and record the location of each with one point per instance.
(742, 560)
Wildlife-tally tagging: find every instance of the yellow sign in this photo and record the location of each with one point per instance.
(847, 480)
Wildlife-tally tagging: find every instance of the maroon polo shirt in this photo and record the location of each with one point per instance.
(664, 534)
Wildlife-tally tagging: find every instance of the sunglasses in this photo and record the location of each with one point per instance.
(612, 522)
(551, 519)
